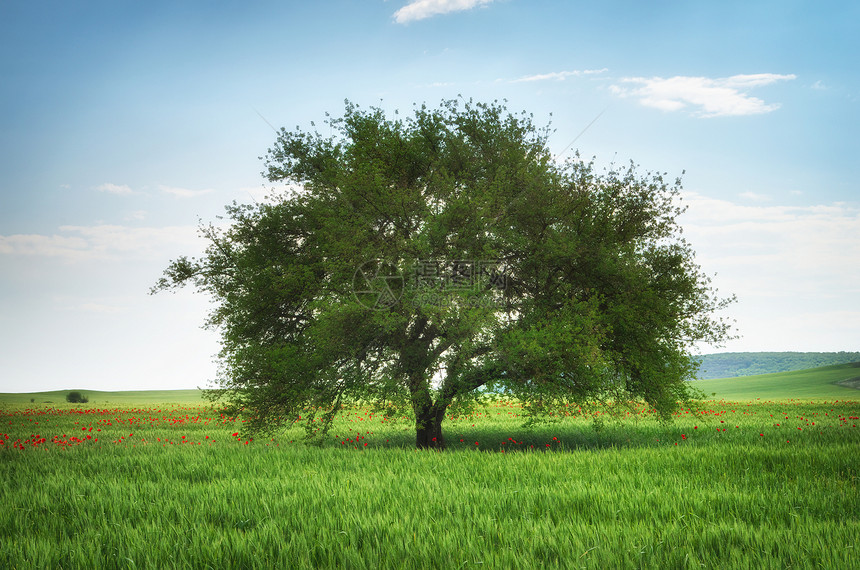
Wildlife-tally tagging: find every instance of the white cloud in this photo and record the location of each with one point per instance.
(136, 215)
(114, 188)
(82, 243)
(782, 262)
(43, 245)
(819, 85)
(421, 9)
(183, 192)
(559, 75)
(752, 196)
(708, 97)
(767, 251)
(754, 80)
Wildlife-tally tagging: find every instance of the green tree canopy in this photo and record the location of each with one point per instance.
(76, 397)
(417, 261)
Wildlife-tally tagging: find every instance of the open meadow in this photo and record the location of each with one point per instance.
(743, 484)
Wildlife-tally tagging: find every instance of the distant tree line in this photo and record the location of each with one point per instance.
(733, 364)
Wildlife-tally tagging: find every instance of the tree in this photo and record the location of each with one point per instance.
(76, 398)
(416, 262)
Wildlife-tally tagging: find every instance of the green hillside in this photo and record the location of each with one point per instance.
(838, 382)
(731, 364)
(98, 398)
(828, 382)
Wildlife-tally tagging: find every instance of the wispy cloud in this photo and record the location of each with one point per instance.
(754, 197)
(793, 269)
(559, 75)
(136, 215)
(84, 243)
(706, 96)
(776, 250)
(422, 9)
(114, 188)
(183, 192)
(43, 245)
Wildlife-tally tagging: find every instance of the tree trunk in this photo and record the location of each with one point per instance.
(428, 427)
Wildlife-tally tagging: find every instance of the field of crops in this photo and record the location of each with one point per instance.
(745, 485)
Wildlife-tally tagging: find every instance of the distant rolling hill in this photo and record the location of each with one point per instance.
(99, 398)
(731, 364)
(838, 382)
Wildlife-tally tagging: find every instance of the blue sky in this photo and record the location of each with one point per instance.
(124, 123)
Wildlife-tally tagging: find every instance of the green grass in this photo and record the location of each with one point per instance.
(727, 485)
(814, 383)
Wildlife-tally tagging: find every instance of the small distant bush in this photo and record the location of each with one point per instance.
(76, 398)
(32, 400)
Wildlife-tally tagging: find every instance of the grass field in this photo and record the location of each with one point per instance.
(822, 383)
(754, 484)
